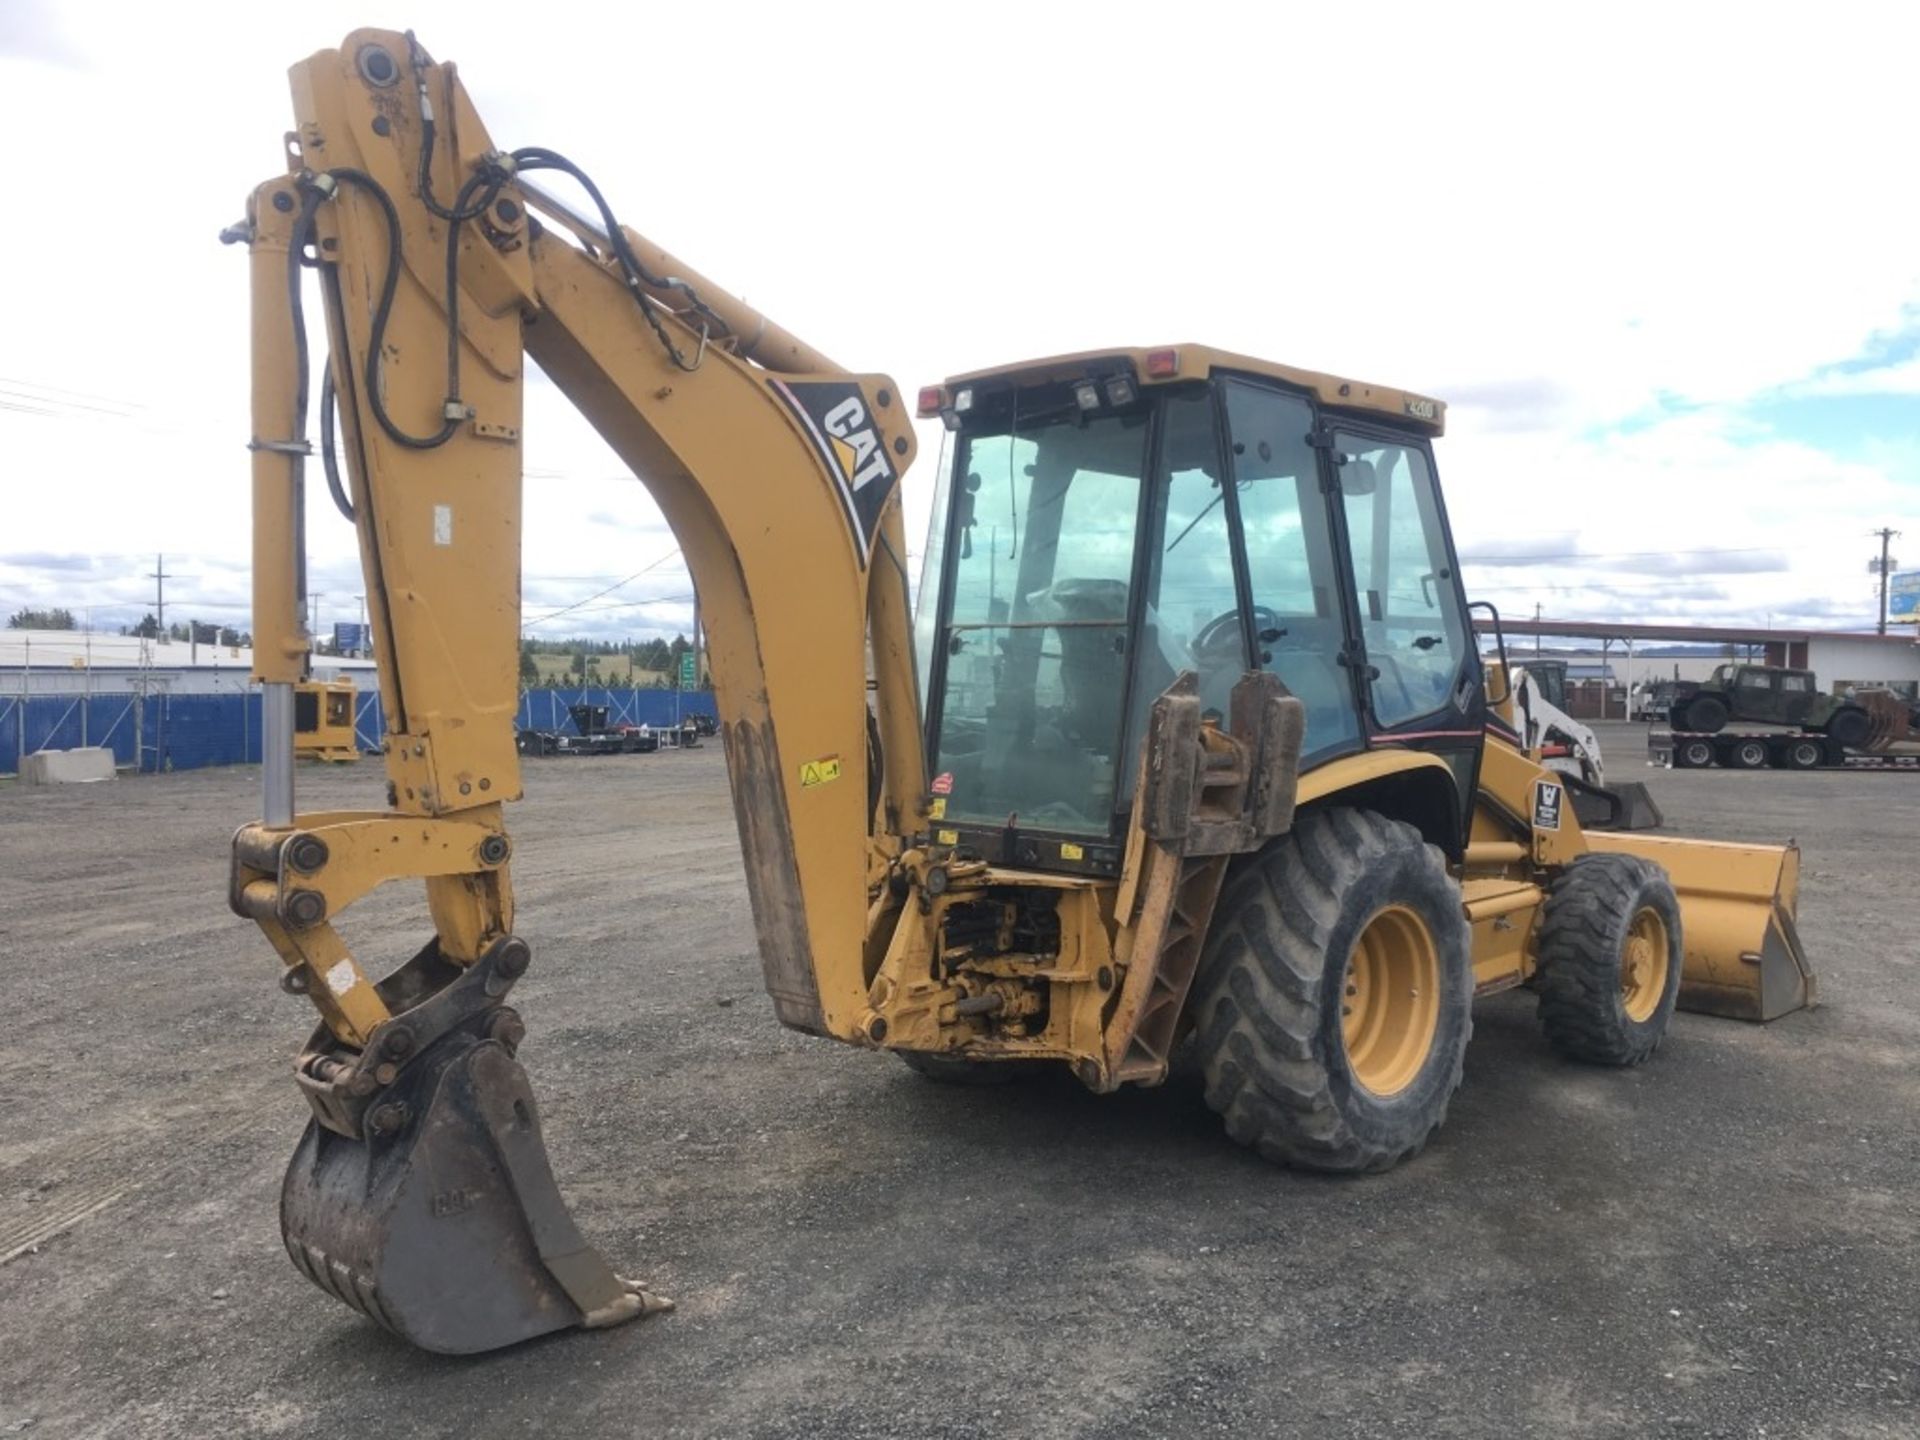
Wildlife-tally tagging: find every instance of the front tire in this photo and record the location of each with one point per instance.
(957, 1070)
(1850, 728)
(1610, 959)
(1705, 715)
(1334, 999)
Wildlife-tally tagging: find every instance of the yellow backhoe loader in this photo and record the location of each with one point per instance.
(1198, 748)
(323, 722)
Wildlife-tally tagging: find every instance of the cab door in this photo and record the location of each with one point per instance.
(1417, 659)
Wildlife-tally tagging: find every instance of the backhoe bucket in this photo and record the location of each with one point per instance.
(444, 1224)
(1743, 957)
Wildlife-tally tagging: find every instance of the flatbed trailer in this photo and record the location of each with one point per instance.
(1763, 750)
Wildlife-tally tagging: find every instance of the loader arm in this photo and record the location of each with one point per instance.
(444, 268)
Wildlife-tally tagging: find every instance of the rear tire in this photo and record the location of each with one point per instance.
(1705, 715)
(1610, 958)
(1850, 728)
(1693, 754)
(1804, 755)
(957, 1070)
(1747, 755)
(1334, 998)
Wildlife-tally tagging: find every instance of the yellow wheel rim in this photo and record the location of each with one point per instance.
(1643, 965)
(1390, 1001)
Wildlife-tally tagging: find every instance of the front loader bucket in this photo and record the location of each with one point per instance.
(444, 1224)
(1743, 957)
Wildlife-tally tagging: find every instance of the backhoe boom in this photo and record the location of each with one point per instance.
(443, 271)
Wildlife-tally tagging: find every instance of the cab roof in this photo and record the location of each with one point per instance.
(1198, 362)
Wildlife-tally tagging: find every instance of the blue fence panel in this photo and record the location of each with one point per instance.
(186, 732)
(369, 721)
(113, 721)
(659, 709)
(66, 722)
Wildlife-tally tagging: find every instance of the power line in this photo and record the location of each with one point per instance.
(621, 605)
(568, 609)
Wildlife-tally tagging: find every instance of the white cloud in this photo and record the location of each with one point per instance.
(1898, 379)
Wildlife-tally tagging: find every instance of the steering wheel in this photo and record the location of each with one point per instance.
(1218, 641)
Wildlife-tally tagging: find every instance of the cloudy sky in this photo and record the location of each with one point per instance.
(1664, 262)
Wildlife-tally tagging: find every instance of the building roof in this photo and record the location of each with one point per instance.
(83, 649)
(1698, 634)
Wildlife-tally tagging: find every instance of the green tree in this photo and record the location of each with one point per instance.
(148, 628)
(42, 620)
(529, 668)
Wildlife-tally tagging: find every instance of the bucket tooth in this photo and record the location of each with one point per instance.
(444, 1224)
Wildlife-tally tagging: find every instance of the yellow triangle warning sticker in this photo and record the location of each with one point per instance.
(819, 772)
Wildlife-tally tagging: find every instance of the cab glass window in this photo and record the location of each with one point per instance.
(1411, 619)
(1040, 558)
(1293, 577)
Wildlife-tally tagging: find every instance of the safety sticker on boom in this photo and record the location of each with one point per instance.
(823, 771)
(834, 415)
(1546, 805)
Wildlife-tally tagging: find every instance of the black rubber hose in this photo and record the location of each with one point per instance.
(382, 310)
(536, 157)
(302, 229)
(328, 461)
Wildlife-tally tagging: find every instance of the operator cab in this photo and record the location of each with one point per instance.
(1105, 522)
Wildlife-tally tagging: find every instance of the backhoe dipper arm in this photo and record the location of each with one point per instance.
(443, 268)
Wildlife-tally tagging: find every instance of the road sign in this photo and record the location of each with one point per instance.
(689, 671)
(349, 638)
(1903, 597)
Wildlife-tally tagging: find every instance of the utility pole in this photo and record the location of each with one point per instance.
(1883, 567)
(1536, 627)
(696, 639)
(160, 577)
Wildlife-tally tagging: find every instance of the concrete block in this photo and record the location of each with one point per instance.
(66, 767)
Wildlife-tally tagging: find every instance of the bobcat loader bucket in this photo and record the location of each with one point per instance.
(1628, 806)
(1743, 957)
(427, 1203)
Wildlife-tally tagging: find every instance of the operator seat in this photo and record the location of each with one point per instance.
(1090, 615)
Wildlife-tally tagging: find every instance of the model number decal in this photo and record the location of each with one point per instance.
(1546, 805)
(1423, 409)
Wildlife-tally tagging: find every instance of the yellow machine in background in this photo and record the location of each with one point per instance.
(1193, 742)
(323, 721)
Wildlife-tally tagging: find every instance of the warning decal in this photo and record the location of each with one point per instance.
(819, 772)
(1546, 805)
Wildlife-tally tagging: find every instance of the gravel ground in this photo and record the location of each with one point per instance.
(1724, 1242)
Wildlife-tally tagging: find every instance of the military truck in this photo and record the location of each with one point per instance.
(1768, 695)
